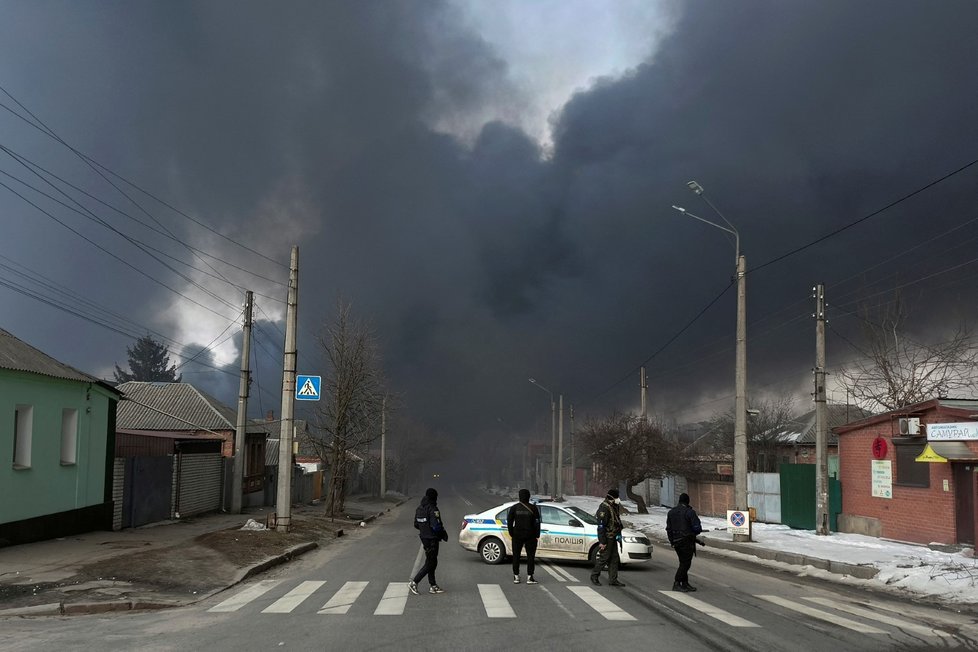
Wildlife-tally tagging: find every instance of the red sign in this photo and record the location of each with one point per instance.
(879, 448)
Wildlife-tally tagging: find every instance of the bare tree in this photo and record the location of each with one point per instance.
(348, 416)
(628, 448)
(895, 370)
(765, 424)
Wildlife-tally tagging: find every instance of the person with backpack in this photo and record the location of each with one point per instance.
(431, 529)
(682, 526)
(523, 523)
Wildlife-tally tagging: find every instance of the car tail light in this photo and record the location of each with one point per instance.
(464, 525)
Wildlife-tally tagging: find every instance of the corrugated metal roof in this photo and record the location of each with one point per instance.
(17, 355)
(190, 409)
(953, 450)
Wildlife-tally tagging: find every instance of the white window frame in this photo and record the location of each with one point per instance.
(23, 433)
(69, 436)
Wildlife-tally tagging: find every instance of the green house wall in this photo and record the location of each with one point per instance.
(48, 486)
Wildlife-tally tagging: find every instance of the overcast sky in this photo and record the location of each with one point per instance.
(489, 183)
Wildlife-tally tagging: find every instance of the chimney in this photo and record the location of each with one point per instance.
(270, 416)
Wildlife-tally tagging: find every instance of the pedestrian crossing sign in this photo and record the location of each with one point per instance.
(307, 388)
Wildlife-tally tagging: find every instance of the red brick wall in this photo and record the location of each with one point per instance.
(915, 514)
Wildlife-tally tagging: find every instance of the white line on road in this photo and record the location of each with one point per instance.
(496, 604)
(823, 615)
(344, 598)
(242, 598)
(599, 603)
(553, 571)
(873, 615)
(293, 598)
(709, 610)
(557, 601)
(394, 600)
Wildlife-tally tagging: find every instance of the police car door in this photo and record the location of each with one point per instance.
(561, 535)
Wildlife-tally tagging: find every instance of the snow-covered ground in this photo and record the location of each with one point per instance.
(951, 577)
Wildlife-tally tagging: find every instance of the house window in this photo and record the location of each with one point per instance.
(910, 473)
(23, 429)
(255, 458)
(69, 436)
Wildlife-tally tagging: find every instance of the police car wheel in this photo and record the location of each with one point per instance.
(592, 554)
(492, 551)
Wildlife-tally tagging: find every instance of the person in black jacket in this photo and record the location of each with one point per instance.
(523, 523)
(431, 529)
(682, 526)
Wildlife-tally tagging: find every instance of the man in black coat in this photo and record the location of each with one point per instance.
(523, 523)
(682, 526)
(427, 520)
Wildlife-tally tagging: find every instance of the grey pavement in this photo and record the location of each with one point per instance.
(103, 571)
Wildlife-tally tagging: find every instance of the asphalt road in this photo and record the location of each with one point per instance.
(353, 596)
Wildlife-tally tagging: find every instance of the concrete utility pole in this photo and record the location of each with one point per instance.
(560, 452)
(644, 384)
(740, 374)
(573, 462)
(553, 439)
(740, 402)
(821, 424)
(283, 503)
(383, 447)
(237, 480)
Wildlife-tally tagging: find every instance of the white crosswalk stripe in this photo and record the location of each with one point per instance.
(709, 610)
(599, 603)
(394, 600)
(495, 602)
(293, 598)
(823, 615)
(882, 618)
(344, 598)
(558, 573)
(242, 598)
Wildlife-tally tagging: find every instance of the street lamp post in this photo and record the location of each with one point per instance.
(553, 438)
(740, 374)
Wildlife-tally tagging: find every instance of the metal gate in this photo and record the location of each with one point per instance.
(148, 490)
(798, 497)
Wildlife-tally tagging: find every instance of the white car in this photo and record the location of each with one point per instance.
(566, 532)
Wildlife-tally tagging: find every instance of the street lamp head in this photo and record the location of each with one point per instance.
(679, 208)
(695, 187)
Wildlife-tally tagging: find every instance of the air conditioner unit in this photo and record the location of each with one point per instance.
(910, 426)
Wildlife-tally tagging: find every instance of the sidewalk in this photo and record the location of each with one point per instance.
(169, 564)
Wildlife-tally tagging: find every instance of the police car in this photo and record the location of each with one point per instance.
(566, 532)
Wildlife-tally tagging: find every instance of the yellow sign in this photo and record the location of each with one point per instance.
(928, 455)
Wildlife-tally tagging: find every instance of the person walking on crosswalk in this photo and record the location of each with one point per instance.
(682, 526)
(523, 523)
(431, 529)
(609, 535)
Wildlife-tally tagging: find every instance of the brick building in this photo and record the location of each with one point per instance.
(904, 480)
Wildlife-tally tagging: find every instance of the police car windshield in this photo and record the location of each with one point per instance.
(581, 515)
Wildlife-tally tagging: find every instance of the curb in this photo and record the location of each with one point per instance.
(795, 559)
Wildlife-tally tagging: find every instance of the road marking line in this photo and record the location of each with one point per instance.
(823, 615)
(293, 598)
(599, 603)
(570, 578)
(709, 610)
(394, 600)
(873, 615)
(557, 601)
(344, 598)
(553, 571)
(496, 604)
(242, 598)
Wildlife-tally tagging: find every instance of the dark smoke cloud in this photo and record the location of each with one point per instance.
(480, 265)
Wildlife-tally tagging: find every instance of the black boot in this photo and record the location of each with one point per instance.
(687, 587)
(679, 586)
(595, 580)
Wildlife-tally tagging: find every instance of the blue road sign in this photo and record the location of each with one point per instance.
(738, 519)
(307, 387)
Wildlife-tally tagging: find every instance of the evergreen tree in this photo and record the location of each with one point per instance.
(149, 361)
